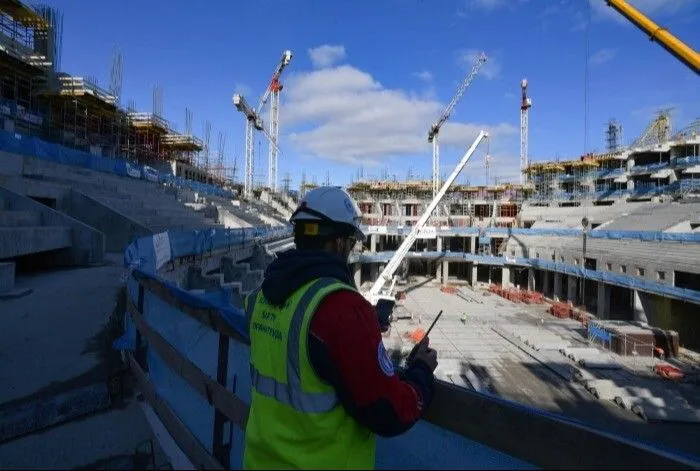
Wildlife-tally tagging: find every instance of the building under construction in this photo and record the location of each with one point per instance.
(402, 203)
(38, 100)
(658, 164)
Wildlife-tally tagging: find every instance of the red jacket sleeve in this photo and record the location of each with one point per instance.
(346, 350)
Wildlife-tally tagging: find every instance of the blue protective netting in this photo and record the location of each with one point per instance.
(34, 147)
(656, 236)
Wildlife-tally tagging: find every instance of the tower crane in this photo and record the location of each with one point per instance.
(525, 105)
(434, 131)
(272, 93)
(253, 121)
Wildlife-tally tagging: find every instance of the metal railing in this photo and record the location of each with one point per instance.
(189, 354)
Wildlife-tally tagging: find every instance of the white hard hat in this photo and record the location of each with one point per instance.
(330, 204)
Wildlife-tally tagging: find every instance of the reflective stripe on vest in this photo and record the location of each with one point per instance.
(291, 393)
(293, 397)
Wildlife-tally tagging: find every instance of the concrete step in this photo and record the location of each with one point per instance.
(19, 218)
(168, 221)
(72, 179)
(144, 209)
(145, 205)
(172, 213)
(120, 204)
(18, 241)
(33, 188)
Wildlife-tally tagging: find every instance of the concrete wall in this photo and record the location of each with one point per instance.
(88, 244)
(118, 228)
(546, 440)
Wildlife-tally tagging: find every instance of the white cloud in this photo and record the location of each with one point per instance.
(489, 6)
(490, 69)
(343, 114)
(326, 55)
(424, 76)
(602, 56)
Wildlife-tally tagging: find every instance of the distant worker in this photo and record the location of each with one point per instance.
(323, 384)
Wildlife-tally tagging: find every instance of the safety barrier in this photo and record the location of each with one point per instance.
(189, 353)
(650, 168)
(687, 161)
(37, 148)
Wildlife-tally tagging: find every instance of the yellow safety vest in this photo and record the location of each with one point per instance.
(296, 419)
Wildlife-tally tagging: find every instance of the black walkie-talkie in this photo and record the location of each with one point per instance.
(412, 354)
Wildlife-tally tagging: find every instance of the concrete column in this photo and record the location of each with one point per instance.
(630, 182)
(557, 286)
(373, 242)
(545, 283)
(638, 310)
(531, 279)
(571, 289)
(505, 276)
(438, 265)
(445, 272)
(603, 303)
(357, 268)
(374, 271)
(473, 277)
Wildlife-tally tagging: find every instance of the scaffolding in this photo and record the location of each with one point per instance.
(180, 147)
(142, 141)
(657, 132)
(80, 114)
(391, 202)
(29, 50)
(19, 108)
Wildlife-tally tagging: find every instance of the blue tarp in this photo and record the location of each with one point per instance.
(34, 147)
(691, 237)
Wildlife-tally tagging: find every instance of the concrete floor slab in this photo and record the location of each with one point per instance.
(548, 383)
(51, 337)
(103, 441)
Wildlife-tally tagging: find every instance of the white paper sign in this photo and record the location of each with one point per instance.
(161, 247)
(427, 232)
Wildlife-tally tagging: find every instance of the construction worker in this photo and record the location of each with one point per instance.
(323, 384)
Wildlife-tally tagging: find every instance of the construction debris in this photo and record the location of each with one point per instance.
(517, 295)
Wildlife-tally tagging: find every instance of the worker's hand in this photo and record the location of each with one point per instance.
(422, 352)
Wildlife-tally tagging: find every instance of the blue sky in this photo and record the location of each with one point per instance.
(368, 77)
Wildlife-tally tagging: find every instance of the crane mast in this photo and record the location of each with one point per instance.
(434, 132)
(387, 274)
(525, 105)
(675, 46)
(253, 121)
(272, 92)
